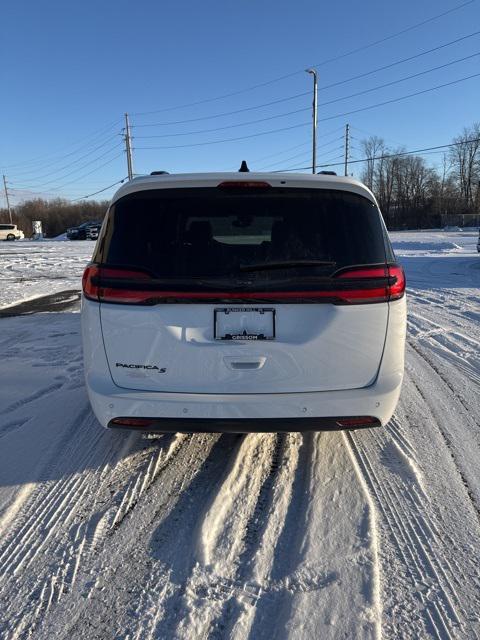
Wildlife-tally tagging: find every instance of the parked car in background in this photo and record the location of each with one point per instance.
(243, 302)
(93, 231)
(10, 232)
(85, 231)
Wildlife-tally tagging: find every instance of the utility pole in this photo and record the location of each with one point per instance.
(347, 144)
(128, 147)
(314, 116)
(7, 199)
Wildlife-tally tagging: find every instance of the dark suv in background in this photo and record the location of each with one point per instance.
(85, 231)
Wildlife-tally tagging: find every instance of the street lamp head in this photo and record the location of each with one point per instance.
(312, 71)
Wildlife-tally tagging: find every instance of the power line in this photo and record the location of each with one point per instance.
(93, 170)
(324, 62)
(410, 95)
(399, 33)
(404, 79)
(44, 184)
(278, 153)
(96, 135)
(275, 164)
(321, 146)
(101, 190)
(221, 115)
(253, 135)
(230, 126)
(369, 133)
(303, 109)
(50, 173)
(304, 93)
(402, 61)
(296, 126)
(389, 155)
(58, 187)
(297, 146)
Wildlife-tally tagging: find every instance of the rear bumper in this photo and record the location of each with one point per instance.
(243, 425)
(257, 412)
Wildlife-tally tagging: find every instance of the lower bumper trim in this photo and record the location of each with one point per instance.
(243, 425)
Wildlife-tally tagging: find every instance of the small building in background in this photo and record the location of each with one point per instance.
(37, 233)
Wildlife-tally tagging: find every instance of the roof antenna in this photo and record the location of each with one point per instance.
(243, 167)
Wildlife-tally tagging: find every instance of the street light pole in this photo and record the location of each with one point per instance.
(313, 72)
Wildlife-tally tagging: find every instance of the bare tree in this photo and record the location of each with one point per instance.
(465, 159)
(372, 148)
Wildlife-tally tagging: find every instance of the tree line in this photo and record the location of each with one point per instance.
(56, 215)
(410, 193)
(413, 195)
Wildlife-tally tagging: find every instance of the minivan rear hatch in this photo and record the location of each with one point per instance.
(234, 289)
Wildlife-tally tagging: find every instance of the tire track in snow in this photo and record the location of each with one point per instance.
(41, 393)
(450, 344)
(457, 453)
(443, 377)
(323, 579)
(143, 481)
(253, 587)
(406, 519)
(152, 548)
(61, 525)
(226, 586)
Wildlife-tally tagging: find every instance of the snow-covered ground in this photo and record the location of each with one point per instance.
(29, 269)
(370, 534)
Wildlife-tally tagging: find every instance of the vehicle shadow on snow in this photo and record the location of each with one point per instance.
(39, 455)
(47, 428)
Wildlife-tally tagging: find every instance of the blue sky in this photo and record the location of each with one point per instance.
(70, 71)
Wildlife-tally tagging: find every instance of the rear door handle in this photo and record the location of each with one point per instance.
(236, 363)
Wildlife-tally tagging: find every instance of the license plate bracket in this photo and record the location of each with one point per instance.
(244, 323)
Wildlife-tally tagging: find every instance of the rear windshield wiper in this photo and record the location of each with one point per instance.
(286, 264)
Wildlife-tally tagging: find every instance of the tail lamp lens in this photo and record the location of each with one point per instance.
(365, 290)
(112, 285)
(361, 285)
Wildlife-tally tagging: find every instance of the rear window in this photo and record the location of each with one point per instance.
(7, 227)
(222, 233)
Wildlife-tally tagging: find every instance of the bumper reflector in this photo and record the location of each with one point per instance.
(133, 422)
(358, 421)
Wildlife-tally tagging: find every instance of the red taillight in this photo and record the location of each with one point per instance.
(112, 285)
(397, 289)
(90, 290)
(393, 287)
(245, 184)
(361, 285)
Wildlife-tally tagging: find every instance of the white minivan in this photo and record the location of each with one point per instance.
(10, 232)
(243, 302)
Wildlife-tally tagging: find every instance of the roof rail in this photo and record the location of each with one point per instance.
(326, 173)
(159, 173)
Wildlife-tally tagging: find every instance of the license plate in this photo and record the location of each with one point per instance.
(244, 324)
